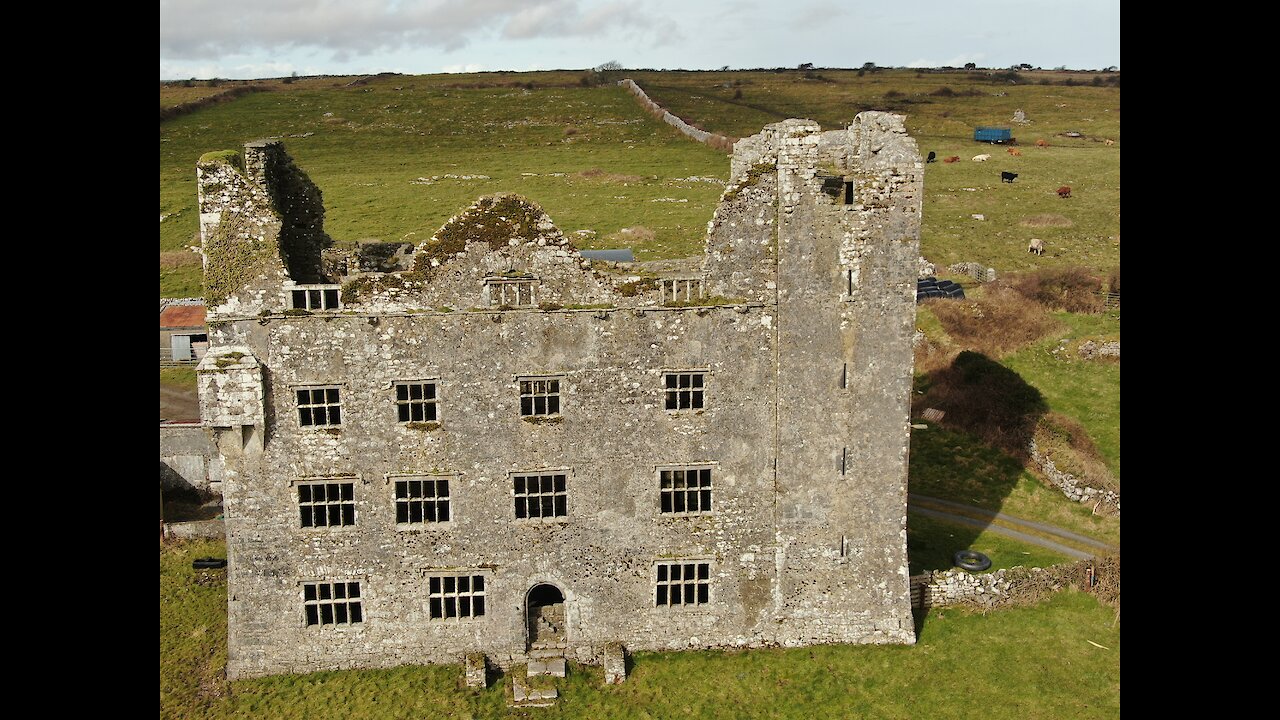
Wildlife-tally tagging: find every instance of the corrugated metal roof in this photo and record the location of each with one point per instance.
(176, 316)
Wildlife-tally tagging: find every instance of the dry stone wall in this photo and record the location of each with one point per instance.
(719, 142)
(1070, 485)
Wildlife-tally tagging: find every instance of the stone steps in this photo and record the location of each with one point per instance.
(554, 666)
(538, 693)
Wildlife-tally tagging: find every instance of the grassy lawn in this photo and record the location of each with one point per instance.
(1022, 662)
(370, 142)
(1034, 662)
(589, 156)
(1086, 229)
(179, 378)
(932, 544)
(956, 466)
(1087, 390)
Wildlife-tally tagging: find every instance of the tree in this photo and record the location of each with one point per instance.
(611, 66)
(806, 66)
(971, 66)
(869, 66)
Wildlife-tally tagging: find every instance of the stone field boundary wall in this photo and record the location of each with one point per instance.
(719, 142)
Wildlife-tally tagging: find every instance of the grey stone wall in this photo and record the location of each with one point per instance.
(189, 460)
(1070, 485)
(807, 358)
(713, 139)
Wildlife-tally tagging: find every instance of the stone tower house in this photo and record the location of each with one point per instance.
(486, 443)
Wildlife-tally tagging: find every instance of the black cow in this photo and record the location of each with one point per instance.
(1007, 176)
(933, 157)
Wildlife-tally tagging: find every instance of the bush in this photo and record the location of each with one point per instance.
(1113, 281)
(1074, 289)
(997, 323)
(943, 91)
(984, 398)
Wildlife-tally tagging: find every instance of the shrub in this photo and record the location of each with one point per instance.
(1074, 289)
(984, 398)
(997, 323)
(943, 91)
(1113, 281)
(1068, 445)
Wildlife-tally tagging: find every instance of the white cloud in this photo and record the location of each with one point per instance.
(462, 68)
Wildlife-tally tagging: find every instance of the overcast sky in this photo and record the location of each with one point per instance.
(273, 38)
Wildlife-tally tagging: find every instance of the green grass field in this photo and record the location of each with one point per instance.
(369, 144)
(1033, 662)
(944, 124)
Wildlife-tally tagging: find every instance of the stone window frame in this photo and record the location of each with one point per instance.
(325, 403)
(566, 473)
(321, 603)
(546, 395)
(669, 392)
(710, 467)
(509, 288)
(439, 591)
(432, 403)
(673, 288)
(326, 480)
(318, 297)
(436, 477)
(662, 580)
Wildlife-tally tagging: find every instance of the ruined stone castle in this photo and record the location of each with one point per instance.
(487, 443)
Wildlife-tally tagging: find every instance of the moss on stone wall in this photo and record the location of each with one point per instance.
(233, 260)
(752, 177)
(228, 157)
(635, 287)
(493, 220)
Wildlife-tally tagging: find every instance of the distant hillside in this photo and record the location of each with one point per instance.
(396, 156)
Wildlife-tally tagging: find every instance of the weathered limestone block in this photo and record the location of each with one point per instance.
(476, 670)
(615, 663)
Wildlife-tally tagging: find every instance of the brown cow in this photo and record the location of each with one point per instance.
(1064, 191)
(1015, 152)
(952, 159)
(1042, 143)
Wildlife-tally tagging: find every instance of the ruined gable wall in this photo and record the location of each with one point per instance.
(742, 237)
(500, 235)
(261, 224)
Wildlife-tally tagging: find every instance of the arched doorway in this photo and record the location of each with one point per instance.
(545, 616)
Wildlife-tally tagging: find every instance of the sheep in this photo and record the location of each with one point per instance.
(1015, 152)
(1064, 191)
(1036, 246)
(982, 158)
(1109, 142)
(1008, 177)
(952, 159)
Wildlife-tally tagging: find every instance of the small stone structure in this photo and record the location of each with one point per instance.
(476, 670)
(1070, 485)
(615, 663)
(428, 463)
(1090, 350)
(979, 272)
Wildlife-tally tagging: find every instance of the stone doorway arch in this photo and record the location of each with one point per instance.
(545, 617)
